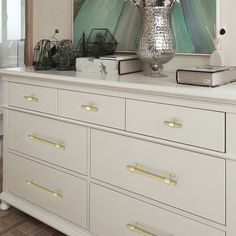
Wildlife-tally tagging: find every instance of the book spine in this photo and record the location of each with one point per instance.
(177, 76)
(129, 66)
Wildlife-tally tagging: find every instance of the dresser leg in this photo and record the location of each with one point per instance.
(4, 206)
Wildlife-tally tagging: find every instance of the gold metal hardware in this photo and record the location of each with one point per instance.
(173, 123)
(90, 107)
(31, 98)
(60, 145)
(138, 229)
(166, 180)
(57, 194)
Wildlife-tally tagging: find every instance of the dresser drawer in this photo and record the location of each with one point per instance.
(33, 97)
(123, 215)
(196, 127)
(183, 179)
(97, 109)
(55, 191)
(57, 142)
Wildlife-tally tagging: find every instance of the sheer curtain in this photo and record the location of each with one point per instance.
(12, 33)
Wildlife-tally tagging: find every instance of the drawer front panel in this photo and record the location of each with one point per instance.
(196, 127)
(97, 109)
(60, 193)
(57, 142)
(33, 97)
(121, 213)
(185, 180)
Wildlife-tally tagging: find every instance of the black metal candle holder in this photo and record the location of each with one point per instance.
(100, 43)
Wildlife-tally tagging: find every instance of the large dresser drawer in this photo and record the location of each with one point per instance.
(196, 127)
(33, 97)
(125, 216)
(183, 179)
(92, 108)
(55, 191)
(56, 142)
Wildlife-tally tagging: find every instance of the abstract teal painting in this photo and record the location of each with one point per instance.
(192, 20)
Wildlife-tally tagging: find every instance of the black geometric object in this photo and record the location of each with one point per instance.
(100, 43)
(43, 55)
(64, 57)
(81, 49)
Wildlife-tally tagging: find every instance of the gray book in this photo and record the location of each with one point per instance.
(209, 76)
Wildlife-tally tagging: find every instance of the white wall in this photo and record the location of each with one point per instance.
(50, 15)
(228, 18)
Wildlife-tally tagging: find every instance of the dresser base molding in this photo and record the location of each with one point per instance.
(42, 215)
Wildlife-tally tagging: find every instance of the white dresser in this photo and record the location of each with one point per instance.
(120, 156)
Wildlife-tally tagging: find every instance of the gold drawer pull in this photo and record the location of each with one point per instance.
(60, 145)
(57, 194)
(166, 180)
(138, 229)
(90, 107)
(173, 124)
(31, 98)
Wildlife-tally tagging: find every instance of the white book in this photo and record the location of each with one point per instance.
(209, 76)
(113, 66)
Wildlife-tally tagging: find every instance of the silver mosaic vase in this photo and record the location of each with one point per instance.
(156, 45)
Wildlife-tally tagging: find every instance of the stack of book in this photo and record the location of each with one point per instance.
(209, 76)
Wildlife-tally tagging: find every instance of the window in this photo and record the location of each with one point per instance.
(12, 33)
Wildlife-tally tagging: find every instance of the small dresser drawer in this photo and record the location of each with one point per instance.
(56, 142)
(33, 97)
(189, 181)
(97, 109)
(195, 127)
(125, 216)
(55, 191)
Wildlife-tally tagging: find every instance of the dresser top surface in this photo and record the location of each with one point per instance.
(135, 82)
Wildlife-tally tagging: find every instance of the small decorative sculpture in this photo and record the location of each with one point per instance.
(100, 43)
(53, 53)
(156, 44)
(82, 49)
(64, 57)
(216, 58)
(43, 55)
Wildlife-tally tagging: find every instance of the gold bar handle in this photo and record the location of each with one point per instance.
(31, 98)
(166, 180)
(173, 123)
(90, 107)
(138, 229)
(60, 145)
(57, 194)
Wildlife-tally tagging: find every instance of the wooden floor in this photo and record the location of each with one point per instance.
(15, 223)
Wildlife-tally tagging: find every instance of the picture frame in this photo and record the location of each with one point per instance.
(95, 14)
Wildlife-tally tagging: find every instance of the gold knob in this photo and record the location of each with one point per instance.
(31, 98)
(174, 123)
(90, 107)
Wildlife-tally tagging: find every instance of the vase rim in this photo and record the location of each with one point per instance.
(158, 7)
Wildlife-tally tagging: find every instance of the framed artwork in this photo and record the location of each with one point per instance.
(194, 23)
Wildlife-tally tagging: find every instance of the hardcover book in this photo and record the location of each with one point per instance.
(209, 76)
(113, 65)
